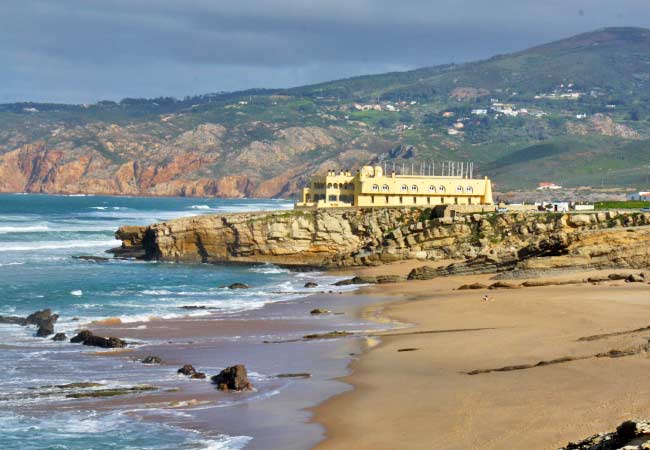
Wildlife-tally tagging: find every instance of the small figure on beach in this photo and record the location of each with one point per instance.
(486, 298)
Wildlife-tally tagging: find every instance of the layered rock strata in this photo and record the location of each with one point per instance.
(482, 243)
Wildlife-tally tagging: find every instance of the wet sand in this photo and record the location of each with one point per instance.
(413, 391)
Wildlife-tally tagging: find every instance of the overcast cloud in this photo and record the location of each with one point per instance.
(87, 50)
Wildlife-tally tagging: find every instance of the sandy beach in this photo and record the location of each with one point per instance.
(414, 391)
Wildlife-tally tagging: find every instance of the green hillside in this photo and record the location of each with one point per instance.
(576, 112)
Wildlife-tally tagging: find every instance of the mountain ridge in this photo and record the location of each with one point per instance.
(584, 99)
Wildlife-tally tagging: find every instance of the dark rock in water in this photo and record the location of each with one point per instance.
(193, 307)
(294, 375)
(59, 337)
(198, 376)
(329, 335)
(151, 360)
(380, 279)
(187, 370)
(233, 378)
(45, 330)
(316, 311)
(238, 286)
(86, 337)
(44, 320)
(311, 284)
(97, 259)
(13, 320)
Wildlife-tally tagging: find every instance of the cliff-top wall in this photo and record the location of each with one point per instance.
(330, 238)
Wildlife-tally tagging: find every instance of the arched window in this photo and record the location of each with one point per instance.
(329, 185)
(336, 185)
(441, 188)
(385, 188)
(432, 188)
(404, 188)
(414, 188)
(469, 189)
(375, 187)
(459, 189)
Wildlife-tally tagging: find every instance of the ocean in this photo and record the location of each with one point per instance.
(39, 235)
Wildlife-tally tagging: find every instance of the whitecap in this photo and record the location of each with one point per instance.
(53, 245)
(204, 207)
(77, 293)
(23, 229)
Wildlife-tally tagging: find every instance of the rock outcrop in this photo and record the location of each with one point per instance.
(481, 243)
(86, 337)
(44, 321)
(233, 378)
(630, 435)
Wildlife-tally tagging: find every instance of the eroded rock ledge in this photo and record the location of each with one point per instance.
(482, 243)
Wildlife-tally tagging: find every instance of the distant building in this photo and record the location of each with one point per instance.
(545, 186)
(640, 196)
(371, 187)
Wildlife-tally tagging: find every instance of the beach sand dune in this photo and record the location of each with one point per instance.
(413, 390)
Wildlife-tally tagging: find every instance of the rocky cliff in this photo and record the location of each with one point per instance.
(479, 242)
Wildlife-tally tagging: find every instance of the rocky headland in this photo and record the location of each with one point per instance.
(478, 243)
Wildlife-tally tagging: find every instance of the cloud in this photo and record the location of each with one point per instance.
(84, 50)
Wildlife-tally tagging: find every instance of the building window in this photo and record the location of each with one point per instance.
(404, 188)
(415, 200)
(432, 188)
(400, 199)
(372, 199)
(332, 198)
(414, 188)
(459, 189)
(387, 199)
(329, 185)
(375, 187)
(456, 200)
(428, 200)
(336, 185)
(441, 188)
(469, 189)
(385, 188)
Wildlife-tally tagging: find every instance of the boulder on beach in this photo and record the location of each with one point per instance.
(238, 286)
(311, 284)
(317, 311)
(472, 286)
(504, 285)
(234, 378)
(631, 434)
(86, 337)
(635, 278)
(58, 337)
(151, 360)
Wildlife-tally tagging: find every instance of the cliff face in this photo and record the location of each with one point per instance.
(160, 159)
(331, 238)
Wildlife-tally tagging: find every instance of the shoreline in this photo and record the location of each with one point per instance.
(425, 398)
(197, 340)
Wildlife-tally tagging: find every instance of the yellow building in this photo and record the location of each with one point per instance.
(370, 187)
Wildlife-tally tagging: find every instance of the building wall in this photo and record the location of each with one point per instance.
(370, 187)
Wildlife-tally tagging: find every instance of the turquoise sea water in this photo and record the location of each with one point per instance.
(39, 234)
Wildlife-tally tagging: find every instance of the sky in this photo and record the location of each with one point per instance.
(82, 51)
